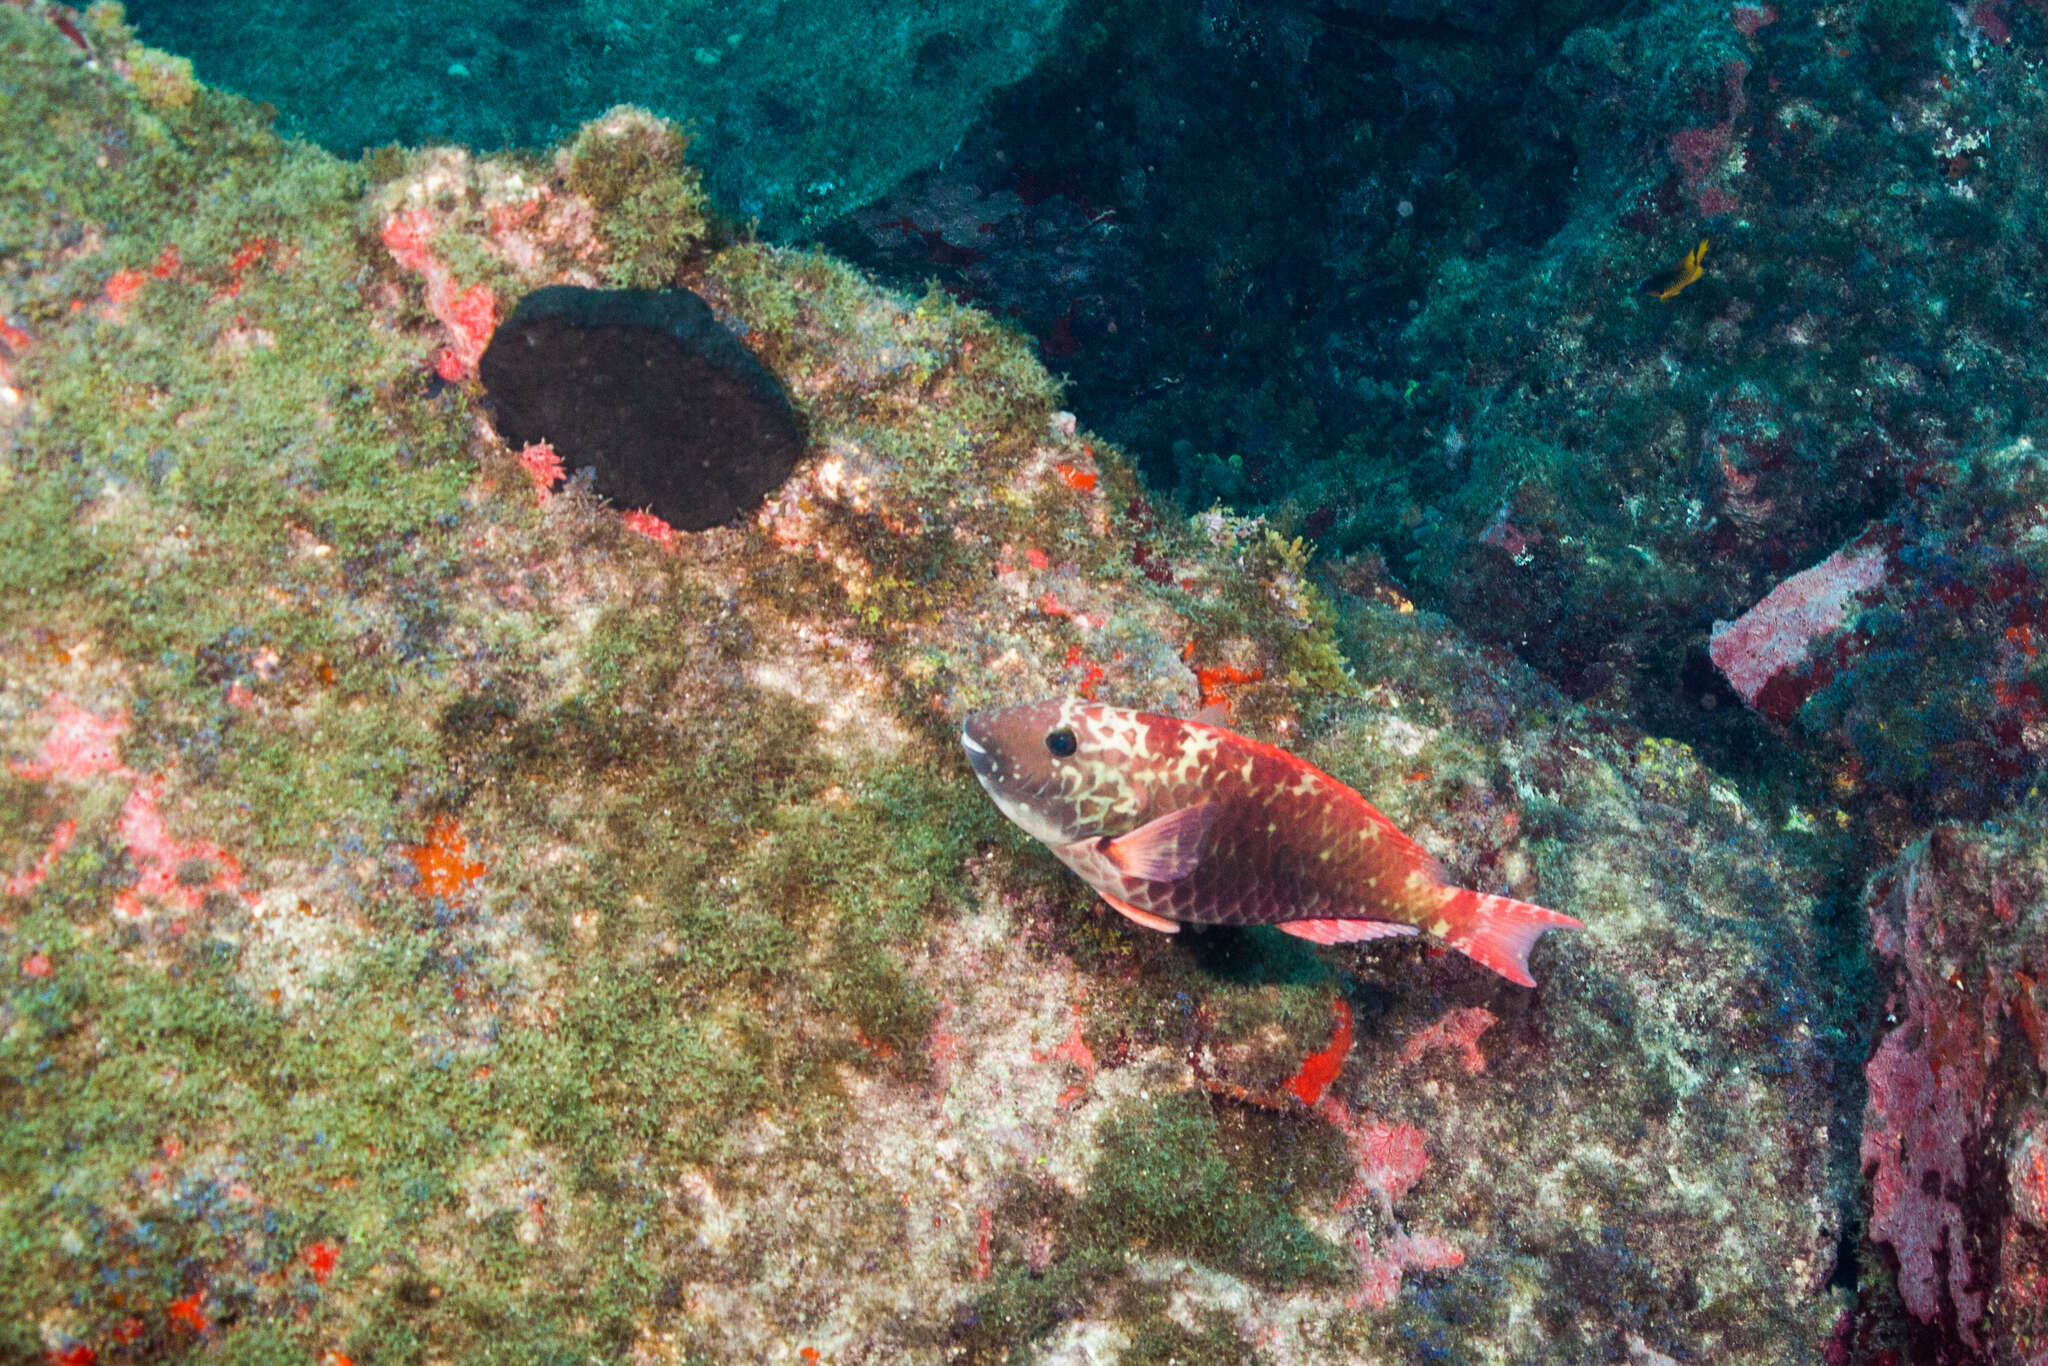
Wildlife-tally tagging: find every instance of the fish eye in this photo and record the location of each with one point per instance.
(1060, 742)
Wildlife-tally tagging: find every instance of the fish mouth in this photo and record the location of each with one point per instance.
(978, 757)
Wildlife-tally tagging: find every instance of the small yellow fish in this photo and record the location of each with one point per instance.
(1667, 282)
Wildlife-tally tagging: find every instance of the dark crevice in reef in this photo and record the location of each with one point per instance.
(1216, 223)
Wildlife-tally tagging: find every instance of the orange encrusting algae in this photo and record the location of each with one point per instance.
(188, 1312)
(443, 869)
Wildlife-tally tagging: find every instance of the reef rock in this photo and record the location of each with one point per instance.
(1953, 1136)
(444, 916)
(1908, 660)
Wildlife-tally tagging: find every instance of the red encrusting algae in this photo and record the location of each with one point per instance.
(1319, 1069)
(654, 529)
(984, 1231)
(1074, 1050)
(321, 1259)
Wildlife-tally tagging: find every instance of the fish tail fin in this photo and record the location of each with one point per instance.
(1497, 932)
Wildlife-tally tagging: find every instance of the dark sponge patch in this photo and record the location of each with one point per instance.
(670, 409)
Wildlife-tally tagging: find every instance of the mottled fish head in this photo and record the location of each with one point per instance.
(1063, 770)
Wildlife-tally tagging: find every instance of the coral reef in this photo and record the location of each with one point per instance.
(1665, 463)
(450, 917)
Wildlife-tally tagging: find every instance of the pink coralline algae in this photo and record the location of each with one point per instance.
(470, 314)
(1919, 1117)
(79, 745)
(1701, 154)
(2026, 1173)
(1380, 1269)
(1769, 654)
(1749, 18)
(179, 875)
(1988, 18)
(21, 884)
(1940, 1095)
(544, 466)
(1391, 1158)
(1456, 1031)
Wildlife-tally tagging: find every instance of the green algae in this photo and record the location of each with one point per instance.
(1158, 1339)
(1164, 1182)
(1168, 1179)
(630, 166)
(310, 462)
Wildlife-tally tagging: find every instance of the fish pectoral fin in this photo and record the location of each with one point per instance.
(1165, 850)
(1345, 931)
(1145, 918)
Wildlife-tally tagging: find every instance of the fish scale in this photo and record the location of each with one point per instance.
(1265, 859)
(1178, 822)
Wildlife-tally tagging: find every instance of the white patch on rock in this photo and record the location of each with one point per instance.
(517, 1178)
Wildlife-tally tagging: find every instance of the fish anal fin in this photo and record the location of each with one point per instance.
(1344, 931)
(1497, 932)
(1164, 850)
(1145, 918)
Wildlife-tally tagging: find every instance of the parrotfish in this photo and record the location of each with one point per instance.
(1179, 822)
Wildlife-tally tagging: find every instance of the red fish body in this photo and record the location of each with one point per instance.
(1176, 822)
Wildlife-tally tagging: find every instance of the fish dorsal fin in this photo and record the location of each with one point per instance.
(1165, 850)
(1215, 714)
(1345, 931)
